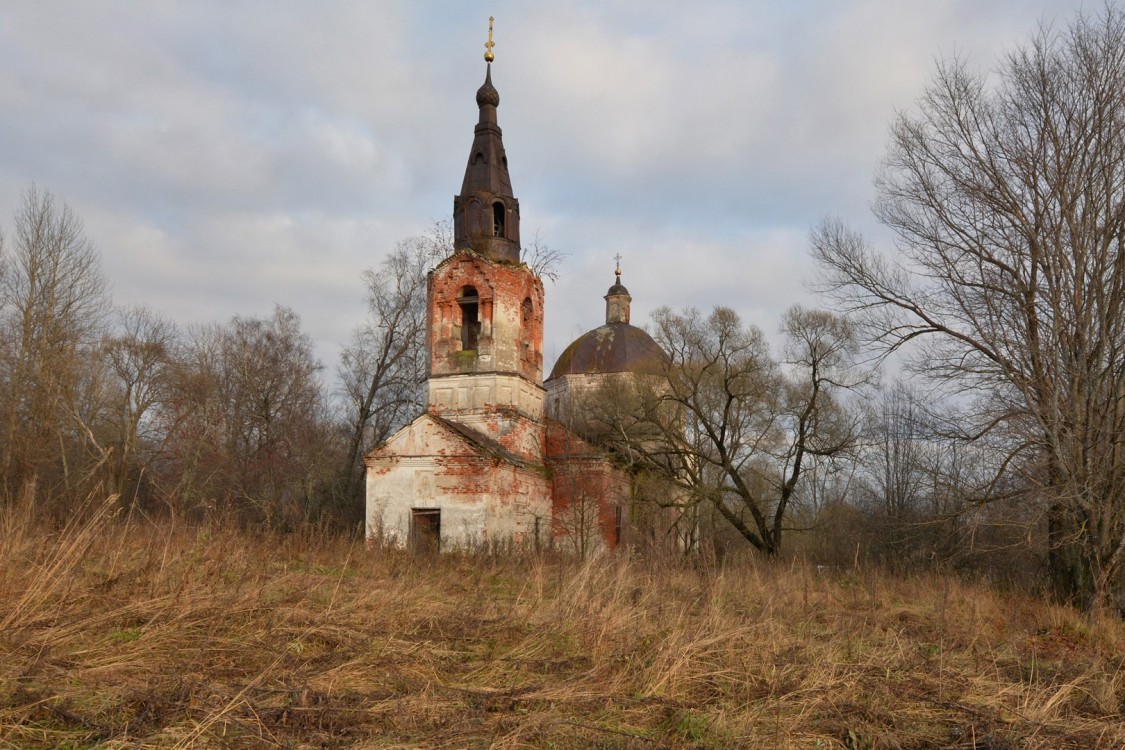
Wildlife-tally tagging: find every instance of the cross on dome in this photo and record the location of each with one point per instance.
(488, 56)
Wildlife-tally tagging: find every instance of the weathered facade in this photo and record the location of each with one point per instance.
(614, 354)
(590, 496)
(470, 470)
(440, 484)
(484, 466)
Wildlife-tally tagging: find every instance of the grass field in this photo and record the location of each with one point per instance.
(125, 634)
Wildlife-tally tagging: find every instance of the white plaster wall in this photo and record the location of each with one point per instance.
(463, 525)
(469, 393)
(393, 496)
(383, 521)
(505, 513)
(565, 393)
(425, 465)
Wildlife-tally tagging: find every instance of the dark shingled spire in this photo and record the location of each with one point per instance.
(486, 215)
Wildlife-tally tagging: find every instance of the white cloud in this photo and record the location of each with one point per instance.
(227, 157)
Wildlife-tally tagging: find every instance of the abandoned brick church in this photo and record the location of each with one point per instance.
(488, 462)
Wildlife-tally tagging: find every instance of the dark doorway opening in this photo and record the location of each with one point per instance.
(425, 530)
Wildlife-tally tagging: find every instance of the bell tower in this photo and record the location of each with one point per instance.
(485, 307)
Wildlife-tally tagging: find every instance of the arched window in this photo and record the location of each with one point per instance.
(498, 216)
(527, 309)
(469, 302)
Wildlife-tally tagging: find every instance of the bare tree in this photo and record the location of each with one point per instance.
(542, 259)
(383, 367)
(726, 423)
(1007, 200)
(900, 478)
(139, 355)
(578, 525)
(54, 302)
(248, 425)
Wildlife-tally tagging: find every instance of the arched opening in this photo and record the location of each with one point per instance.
(498, 215)
(527, 312)
(469, 302)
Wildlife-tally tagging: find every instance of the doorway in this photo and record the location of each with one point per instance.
(425, 530)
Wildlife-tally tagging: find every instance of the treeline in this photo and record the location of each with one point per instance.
(1002, 303)
(226, 419)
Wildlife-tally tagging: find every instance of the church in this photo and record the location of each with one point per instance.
(490, 462)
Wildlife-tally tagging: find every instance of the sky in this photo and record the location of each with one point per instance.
(227, 157)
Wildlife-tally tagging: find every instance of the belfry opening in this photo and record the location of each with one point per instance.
(498, 212)
(469, 302)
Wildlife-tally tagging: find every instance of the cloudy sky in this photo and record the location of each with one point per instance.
(227, 156)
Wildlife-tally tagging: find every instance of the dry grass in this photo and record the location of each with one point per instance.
(117, 634)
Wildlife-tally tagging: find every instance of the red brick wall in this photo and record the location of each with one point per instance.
(510, 341)
(588, 493)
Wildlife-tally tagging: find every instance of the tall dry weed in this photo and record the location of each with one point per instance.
(123, 632)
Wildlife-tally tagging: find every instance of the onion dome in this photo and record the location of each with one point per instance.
(487, 95)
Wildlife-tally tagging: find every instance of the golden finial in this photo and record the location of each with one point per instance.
(617, 270)
(488, 56)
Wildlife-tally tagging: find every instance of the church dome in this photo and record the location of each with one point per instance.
(487, 95)
(617, 288)
(614, 347)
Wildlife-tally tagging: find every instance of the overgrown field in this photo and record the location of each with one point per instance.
(125, 634)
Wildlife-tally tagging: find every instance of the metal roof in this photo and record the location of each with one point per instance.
(614, 347)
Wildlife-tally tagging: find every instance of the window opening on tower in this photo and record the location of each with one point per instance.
(498, 212)
(469, 302)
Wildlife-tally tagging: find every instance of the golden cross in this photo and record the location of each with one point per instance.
(618, 259)
(488, 56)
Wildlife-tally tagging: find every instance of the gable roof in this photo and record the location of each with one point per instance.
(485, 443)
(477, 440)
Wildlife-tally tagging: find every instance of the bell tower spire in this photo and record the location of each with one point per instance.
(486, 215)
(485, 308)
